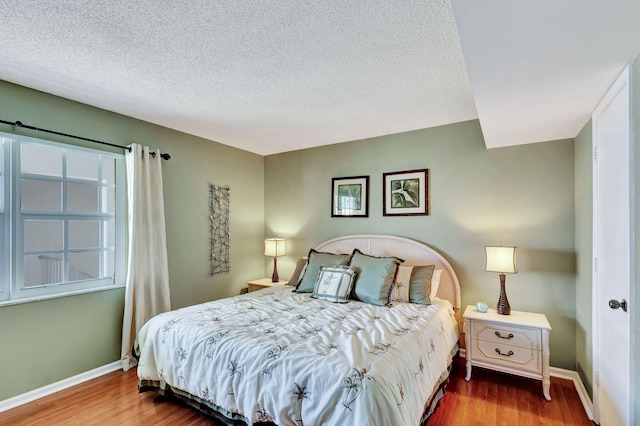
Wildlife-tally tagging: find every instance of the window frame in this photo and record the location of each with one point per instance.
(13, 219)
(5, 222)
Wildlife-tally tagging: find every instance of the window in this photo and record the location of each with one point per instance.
(62, 215)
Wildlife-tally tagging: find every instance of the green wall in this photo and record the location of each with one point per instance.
(44, 342)
(521, 195)
(584, 255)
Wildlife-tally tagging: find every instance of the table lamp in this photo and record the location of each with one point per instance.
(501, 259)
(275, 247)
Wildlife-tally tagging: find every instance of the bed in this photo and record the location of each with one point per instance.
(279, 356)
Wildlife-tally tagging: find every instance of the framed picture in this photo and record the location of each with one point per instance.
(350, 196)
(406, 193)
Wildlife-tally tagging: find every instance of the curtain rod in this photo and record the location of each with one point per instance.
(164, 156)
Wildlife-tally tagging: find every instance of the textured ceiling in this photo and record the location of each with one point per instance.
(276, 75)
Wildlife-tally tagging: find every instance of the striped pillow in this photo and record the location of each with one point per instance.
(416, 284)
(334, 283)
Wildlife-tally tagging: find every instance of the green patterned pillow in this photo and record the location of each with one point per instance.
(334, 283)
(375, 277)
(316, 259)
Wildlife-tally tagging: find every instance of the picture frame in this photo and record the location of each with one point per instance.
(406, 193)
(350, 196)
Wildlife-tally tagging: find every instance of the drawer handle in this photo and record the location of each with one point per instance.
(507, 354)
(510, 336)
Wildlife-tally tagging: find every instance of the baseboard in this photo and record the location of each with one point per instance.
(561, 373)
(16, 401)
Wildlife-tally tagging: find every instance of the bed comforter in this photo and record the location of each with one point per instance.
(284, 357)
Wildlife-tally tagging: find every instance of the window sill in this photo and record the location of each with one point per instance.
(56, 296)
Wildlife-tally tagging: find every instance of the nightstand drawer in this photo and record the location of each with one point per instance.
(522, 358)
(509, 335)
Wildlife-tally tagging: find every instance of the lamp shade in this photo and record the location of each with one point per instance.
(501, 259)
(275, 247)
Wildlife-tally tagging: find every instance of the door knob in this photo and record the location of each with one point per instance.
(614, 304)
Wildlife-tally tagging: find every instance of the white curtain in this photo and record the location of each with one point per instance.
(147, 292)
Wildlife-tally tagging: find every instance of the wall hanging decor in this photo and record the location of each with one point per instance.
(350, 196)
(406, 193)
(219, 200)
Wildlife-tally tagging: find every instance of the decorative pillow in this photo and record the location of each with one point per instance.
(298, 272)
(317, 259)
(414, 283)
(401, 285)
(375, 277)
(334, 283)
(435, 283)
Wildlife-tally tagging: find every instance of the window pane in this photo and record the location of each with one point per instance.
(110, 234)
(42, 269)
(108, 199)
(84, 234)
(109, 268)
(40, 235)
(41, 160)
(41, 195)
(84, 266)
(82, 166)
(82, 198)
(109, 170)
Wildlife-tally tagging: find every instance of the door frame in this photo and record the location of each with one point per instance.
(622, 83)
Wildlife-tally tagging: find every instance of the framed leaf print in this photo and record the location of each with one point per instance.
(350, 196)
(406, 193)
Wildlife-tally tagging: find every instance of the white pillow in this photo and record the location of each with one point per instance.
(435, 283)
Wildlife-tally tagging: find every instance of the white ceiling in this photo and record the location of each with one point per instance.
(539, 68)
(278, 75)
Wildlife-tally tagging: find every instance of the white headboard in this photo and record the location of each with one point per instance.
(413, 253)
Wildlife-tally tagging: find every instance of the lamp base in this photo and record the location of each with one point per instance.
(503, 307)
(274, 277)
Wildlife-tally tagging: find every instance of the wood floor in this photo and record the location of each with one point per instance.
(492, 398)
(488, 399)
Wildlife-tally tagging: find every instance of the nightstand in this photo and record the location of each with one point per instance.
(262, 283)
(516, 344)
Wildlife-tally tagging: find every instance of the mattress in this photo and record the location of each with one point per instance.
(283, 357)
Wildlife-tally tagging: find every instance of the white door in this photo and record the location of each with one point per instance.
(612, 254)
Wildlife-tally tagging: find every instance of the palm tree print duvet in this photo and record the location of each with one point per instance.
(286, 358)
